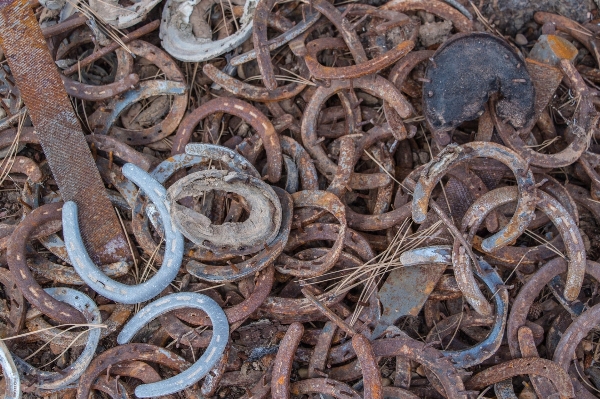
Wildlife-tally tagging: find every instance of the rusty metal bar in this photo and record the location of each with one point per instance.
(60, 134)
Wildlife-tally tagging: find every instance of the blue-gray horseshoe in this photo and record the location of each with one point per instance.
(103, 284)
(202, 366)
(232, 159)
(12, 380)
(486, 348)
(55, 381)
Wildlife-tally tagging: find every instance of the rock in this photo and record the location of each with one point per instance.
(521, 40)
(512, 15)
(303, 372)
(434, 32)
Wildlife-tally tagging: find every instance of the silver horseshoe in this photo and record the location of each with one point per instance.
(486, 348)
(104, 285)
(54, 381)
(202, 366)
(11, 375)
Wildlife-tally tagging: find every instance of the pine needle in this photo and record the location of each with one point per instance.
(284, 78)
(9, 160)
(370, 273)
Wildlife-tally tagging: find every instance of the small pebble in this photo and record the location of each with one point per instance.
(521, 40)
(303, 373)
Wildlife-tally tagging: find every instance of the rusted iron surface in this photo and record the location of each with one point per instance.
(50, 109)
(385, 204)
(449, 100)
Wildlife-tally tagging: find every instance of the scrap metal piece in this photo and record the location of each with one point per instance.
(550, 49)
(17, 263)
(578, 131)
(60, 135)
(96, 55)
(311, 16)
(258, 261)
(329, 202)
(430, 358)
(543, 387)
(442, 10)
(407, 288)
(243, 110)
(248, 91)
(282, 367)
(232, 159)
(123, 353)
(103, 120)
(99, 93)
(319, 71)
(369, 366)
(504, 389)
(464, 72)
(71, 339)
(530, 291)
(325, 387)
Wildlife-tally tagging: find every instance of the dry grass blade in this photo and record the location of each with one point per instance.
(11, 155)
(133, 253)
(284, 78)
(418, 118)
(369, 274)
(545, 144)
(387, 172)
(193, 331)
(91, 326)
(224, 18)
(545, 243)
(64, 350)
(149, 264)
(107, 29)
(71, 326)
(303, 80)
(389, 262)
